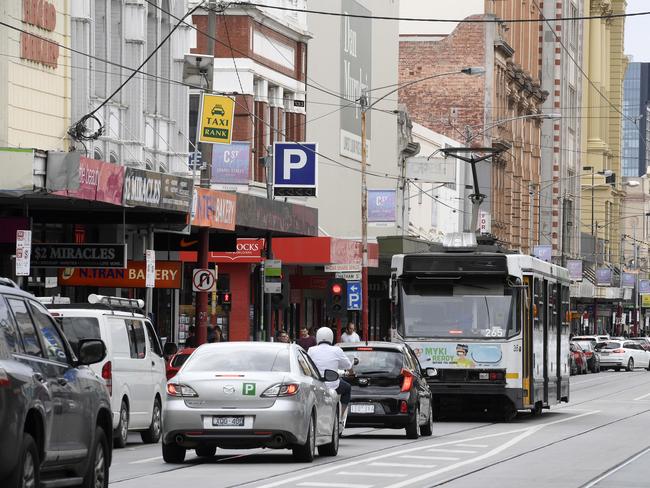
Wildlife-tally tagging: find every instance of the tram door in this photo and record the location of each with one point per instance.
(539, 342)
(545, 322)
(554, 329)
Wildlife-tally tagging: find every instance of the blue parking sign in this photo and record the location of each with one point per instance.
(354, 295)
(295, 168)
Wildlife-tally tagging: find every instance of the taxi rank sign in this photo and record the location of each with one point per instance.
(215, 119)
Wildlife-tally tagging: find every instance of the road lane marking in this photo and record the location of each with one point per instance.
(472, 445)
(453, 451)
(148, 460)
(361, 473)
(642, 397)
(617, 468)
(435, 458)
(397, 452)
(334, 485)
(403, 465)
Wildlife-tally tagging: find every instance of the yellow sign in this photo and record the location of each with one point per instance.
(645, 301)
(216, 119)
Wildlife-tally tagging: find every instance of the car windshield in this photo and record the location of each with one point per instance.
(179, 359)
(376, 361)
(78, 328)
(239, 359)
(460, 311)
(608, 345)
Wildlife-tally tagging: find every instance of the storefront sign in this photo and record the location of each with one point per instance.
(484, 222)
(98, 181)
(216, 119)
(381, 206)
(23, 252)
(575, 269)
(79, 255)
(628, 280)
(214, 209)
(248, 251)
(231, 163)
(151, 189)
(168, 275)
(42, 14)
(274, 215)
(603, 277)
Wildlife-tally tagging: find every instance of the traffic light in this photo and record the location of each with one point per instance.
(225, 300)
(280, 301)
(337, 297)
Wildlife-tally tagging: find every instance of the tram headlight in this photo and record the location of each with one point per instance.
(431, 372)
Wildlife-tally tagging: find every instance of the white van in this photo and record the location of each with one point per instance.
(134, 368)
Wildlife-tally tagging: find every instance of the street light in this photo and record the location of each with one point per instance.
(365, 106)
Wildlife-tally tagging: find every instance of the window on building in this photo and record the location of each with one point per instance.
(97, 154)
(165, 61)
(100, 49)
(116, 36)
(152, 65)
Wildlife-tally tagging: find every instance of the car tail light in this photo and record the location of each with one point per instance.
(496, 376)
(178, 390)
(620, 351)
(107, 376)
(364, 349)
(4, 378)
(403, 407)
(407, 382)
(281, 390)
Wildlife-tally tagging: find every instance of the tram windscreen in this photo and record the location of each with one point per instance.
(467, 310)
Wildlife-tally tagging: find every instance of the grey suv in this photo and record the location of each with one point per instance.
(54, 411)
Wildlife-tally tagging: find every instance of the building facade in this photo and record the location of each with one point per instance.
(636, 103)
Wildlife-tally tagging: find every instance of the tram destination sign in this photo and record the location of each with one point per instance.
(78, 256)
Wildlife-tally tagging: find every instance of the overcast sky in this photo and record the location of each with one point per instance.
(636, 31)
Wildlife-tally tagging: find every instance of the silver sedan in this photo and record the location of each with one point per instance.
(238, 395)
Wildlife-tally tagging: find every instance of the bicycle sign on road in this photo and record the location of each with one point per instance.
(204, 280)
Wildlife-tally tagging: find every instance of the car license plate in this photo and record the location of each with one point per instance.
(228, 421)
(604, 353)
(362, 408)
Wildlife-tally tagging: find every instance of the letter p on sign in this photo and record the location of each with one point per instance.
(295, 168)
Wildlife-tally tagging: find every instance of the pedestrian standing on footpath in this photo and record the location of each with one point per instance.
(306, 340)
(350, 335)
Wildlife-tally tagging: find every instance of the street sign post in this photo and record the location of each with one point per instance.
(335, 268)
(272, 276)
(215, 122)
(23, 252)
(150, 266)
(204, 279)
(349, 276)
(354, 295)
(295, 169)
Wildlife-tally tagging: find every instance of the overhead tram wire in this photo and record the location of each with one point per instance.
(416, 19)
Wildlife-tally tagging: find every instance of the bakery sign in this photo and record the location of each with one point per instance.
(35, 46)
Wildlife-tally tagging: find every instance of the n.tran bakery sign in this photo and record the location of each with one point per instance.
(35, 47)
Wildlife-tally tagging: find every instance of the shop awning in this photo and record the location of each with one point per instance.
(322, 251)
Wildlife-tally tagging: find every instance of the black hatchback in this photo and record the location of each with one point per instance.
(389, 389)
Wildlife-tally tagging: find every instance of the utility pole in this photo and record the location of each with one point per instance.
(201, 319)
(363, 101)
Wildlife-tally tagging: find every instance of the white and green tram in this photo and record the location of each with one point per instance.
(490, 328)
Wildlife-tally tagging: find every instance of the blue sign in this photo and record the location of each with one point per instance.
(231, 163)
(295, 168)
(381, 206)
(644, 287)
(354, 295)
(545, 253)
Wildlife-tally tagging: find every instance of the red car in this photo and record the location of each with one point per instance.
(177, 360)
(578, 359)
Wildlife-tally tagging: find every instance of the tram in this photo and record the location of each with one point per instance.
(490, 327)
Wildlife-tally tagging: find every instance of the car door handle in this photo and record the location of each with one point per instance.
(38, 377)
(153, 363)
(62, 381)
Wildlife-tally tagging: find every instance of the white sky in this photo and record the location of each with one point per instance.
(636, 31)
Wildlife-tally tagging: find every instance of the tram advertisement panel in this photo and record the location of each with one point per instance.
(458, 354)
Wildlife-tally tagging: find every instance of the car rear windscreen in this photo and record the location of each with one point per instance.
(78, 328)
(239, 359)
(608, 345)
(376, 361)
(179, 360)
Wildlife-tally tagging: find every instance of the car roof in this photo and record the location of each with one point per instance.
(246, 344)
(8, 287)
(98, 308)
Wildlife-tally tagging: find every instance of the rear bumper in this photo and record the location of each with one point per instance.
(232, 439)
(478, 394)
(386, 408)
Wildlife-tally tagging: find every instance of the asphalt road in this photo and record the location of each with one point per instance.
(600, 439)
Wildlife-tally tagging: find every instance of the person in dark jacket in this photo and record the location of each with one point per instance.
(306, 340)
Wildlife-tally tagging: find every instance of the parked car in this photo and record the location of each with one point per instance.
(579, 358)
(134, 368)
(54, 411)
(622, 354)
(592, 338)
(593, 361)
(389, 389)
(177, 360)
(240, 395)
(642, 341)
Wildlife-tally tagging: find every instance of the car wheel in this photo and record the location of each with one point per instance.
(306, 452)
(122, 431)
(427, 429)
(332, 448)
(152, 434)
(173, 453)
(97, 472)
(413, 427)
(206, 451)
(630, 364)
(26, 473)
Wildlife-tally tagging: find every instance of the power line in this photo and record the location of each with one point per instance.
(416, 19)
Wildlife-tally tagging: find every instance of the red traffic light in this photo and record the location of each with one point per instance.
(336, 288)
(226, 297)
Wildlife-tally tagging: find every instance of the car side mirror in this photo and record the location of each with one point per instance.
(170, 348)
(356, 361)
(91, 351)
(330, 375)
(431, 372)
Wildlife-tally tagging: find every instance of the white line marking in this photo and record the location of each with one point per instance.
(642, 397)
(334, 485)
(453, 451)
(435, 458)
(621, 466)
(148, 460)
(360, 473)
(393, 453)
(403, 465)
(472, 445)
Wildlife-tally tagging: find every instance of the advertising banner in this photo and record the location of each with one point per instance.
(382, 206)
(98, 181)
(215, 119)
(644, 286)
(144, 188)
(274, 215)
(168, 275)
(575, 269)
(231, 163)
(79, 255)
(545, 253)
(628, 280)
(457, 355)
(176, 193)
(215, 209)
(603, 277)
